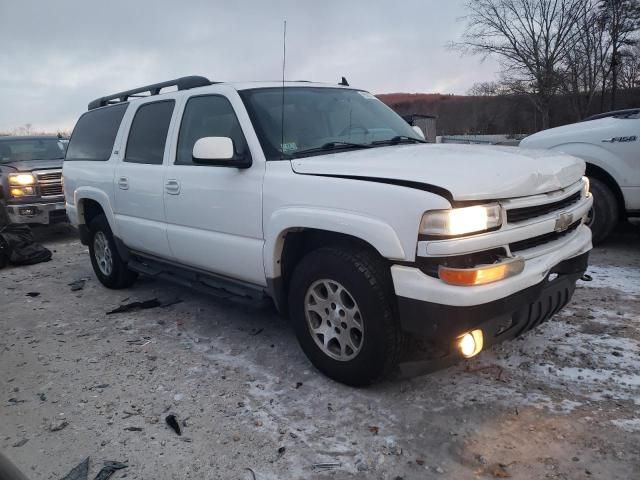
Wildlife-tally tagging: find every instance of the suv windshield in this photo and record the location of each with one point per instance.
(319, 119)
(27, 149)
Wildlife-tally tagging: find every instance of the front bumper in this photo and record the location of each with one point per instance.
(43, 213)
(500, 319)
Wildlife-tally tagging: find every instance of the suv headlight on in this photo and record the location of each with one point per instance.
(21, 179)
(22, 185)
(586, 187)
(461, 221)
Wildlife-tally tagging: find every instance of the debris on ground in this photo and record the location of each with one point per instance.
(77, 284)
(133, 429)
(144, 305)
(172, 421)
(79, 472)
(18, 246)
(130, 307)
(20, 443)
(58, 425)
(33, 294)
(109, 469)
(326, 465)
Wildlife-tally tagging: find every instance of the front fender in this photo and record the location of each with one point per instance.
(595, 155)
(371, 230)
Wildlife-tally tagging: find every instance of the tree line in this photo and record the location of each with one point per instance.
(584, 51)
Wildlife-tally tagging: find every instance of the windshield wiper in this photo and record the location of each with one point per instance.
(332, 146)
(397, 139)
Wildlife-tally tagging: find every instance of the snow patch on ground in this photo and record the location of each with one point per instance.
(624, 279)
(628, 425)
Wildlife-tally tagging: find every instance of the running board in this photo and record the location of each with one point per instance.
(195, 279)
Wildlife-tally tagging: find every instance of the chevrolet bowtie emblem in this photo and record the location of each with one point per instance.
(563, 222)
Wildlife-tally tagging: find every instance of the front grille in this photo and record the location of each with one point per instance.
(542, 239)
(51, 189)
(49, 177)
(525, 213)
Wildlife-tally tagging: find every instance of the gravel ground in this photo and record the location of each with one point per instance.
(562, 401)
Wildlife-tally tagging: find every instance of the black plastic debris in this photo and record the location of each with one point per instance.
(33, 294)
(172, 421)
(18, 246)
(80, 472)
(133, 429)
(109, 469)
(129, 307)
(77, 285)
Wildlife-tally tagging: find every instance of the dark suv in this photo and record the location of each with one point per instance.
(31, 179)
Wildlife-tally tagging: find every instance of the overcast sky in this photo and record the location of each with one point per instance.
(56, 56)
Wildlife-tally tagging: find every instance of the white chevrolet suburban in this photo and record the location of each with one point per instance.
(322, 198)
(609, 143)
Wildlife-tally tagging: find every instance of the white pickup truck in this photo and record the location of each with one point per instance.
(609, 143)
(322, 198)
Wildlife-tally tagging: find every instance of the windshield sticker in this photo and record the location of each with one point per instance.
(289, 147)
(367, 95)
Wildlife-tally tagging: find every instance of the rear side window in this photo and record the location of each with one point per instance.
(94, 134)
(148, 134)
(208, 116)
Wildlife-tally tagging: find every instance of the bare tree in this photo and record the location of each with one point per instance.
(531, 38)
(623, 20)
(630, 67)
(587, 60)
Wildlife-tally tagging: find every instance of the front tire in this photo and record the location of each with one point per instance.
(605, 214)
(105, 259)
(342, 305)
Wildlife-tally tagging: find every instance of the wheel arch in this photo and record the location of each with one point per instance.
(594, 171)
(284, 249)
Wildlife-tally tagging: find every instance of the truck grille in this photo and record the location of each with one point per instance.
(49, 176)
(50, 190)
(526, 213)
(542, 239)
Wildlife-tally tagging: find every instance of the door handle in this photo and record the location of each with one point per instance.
(172, 186)
(123, 183)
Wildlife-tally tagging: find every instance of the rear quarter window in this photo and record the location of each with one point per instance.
(95, 133)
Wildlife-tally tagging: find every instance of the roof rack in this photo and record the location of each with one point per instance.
(183, 83)
(616, 113)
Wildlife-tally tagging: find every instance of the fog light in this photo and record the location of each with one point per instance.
(470, 343)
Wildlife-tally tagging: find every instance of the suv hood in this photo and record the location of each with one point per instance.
(31, 165)
(466, 172)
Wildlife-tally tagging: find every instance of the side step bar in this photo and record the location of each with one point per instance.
(195, 279)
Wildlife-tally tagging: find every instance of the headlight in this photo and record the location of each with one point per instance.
(21, 179)
(586, 186)
(18, 192)
(460, 221)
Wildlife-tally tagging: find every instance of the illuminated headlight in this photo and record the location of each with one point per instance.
(460, 221)
(586, 187)
(21, 179)
(18, 192)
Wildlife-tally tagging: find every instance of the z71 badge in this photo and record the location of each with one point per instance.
(632, 138)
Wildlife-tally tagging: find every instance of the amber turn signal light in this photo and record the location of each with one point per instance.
(483, 274)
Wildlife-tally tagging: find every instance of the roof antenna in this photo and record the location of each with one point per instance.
(284, 64)
(344, 82)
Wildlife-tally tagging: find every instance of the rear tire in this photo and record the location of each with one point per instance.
(105, 259)
(353, 292)
(604, 215)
